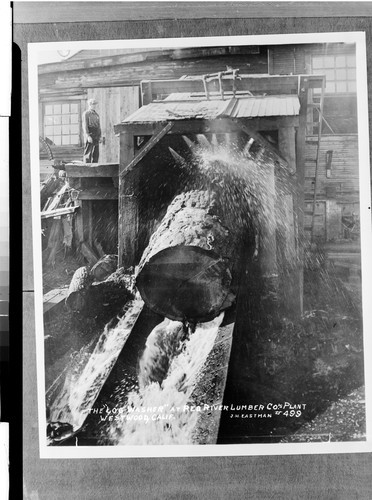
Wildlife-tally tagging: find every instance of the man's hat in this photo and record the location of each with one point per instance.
(92, 101)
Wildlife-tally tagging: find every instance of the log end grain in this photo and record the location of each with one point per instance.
(186, 283)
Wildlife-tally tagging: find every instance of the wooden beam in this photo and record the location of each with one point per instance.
(128, 205)
(89, 253)
(199, 126)
(87, 212)
(146, 92)
(287, 146)
(101, 193)
(303, 96)
(96, 170)
(287, 205)
(53, 299)
(268, 224)
(146, 148)
(257, 84)
(58, 212)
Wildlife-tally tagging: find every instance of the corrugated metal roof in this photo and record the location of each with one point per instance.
(235, 107)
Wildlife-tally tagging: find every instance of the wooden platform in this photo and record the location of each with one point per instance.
(54, 300)
(92, 170)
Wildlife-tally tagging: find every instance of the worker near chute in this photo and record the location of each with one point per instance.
(92, 132)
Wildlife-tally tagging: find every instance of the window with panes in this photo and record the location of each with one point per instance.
(62, 123)
(340, 72)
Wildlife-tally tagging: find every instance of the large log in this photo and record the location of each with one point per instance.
(97, 299)
(185, 272)
(106, 265)
(76, 299)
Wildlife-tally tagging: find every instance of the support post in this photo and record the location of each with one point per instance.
(87, 213)
(268, 250)
(128, 204)
(146, 93)
(291, 265)
(305, 84)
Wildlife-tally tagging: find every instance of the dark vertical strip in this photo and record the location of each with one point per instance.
(12, 382)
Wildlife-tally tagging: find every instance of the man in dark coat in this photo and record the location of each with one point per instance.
(92, 132)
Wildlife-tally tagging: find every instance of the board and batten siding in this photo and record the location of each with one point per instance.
(287, 60)
(132, 73)
(337, 191)
(114, 104)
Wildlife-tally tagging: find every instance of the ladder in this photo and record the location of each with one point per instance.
(316, 160)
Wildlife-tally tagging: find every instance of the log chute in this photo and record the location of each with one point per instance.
(185, 272)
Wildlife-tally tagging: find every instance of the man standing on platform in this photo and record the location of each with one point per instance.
(92, 132)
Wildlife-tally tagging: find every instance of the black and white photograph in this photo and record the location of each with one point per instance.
(200, 218)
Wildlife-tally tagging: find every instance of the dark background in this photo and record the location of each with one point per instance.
(343, 476)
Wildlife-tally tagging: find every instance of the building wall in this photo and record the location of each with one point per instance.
(114, 104)
(122, 70)
(337, 187)
(113, 79)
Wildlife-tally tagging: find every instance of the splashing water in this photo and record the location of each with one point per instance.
(84, 382)
(255, 193)
(157, 413)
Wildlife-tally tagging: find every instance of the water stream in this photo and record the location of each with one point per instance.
(157, 412)
(89, 371)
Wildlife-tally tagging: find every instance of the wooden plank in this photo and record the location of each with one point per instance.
(277, 84)
(128, 205)
(96, 170)
(145, 56)
(218, 126)
(79, 226)
(333, 220)
(288, 205)
(101, 193)
(287, 146)
(299, 194)
(73, 12)
(268, 224)
(58, 212)
(88, 253)
(146, 148)
(54, 298)
(146, 92)
(131, 74)
(86, 210)
(216, 369)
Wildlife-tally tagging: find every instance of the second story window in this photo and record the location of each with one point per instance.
(340, 72)
(62, 123)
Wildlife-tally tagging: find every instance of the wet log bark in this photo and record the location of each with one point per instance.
(104, 298)
(77, 293)
(185, 272)
(106, 265)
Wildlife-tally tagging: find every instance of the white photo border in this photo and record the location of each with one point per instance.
(34, 49)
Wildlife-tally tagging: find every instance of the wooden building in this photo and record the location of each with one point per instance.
(329, 174)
